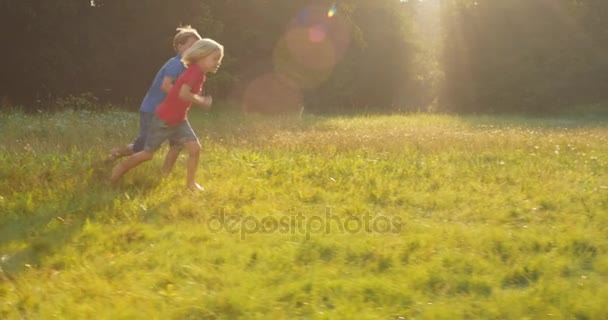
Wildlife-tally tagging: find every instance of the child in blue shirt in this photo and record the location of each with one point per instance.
(162, 84)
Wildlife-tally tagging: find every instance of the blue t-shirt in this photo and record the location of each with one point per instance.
(172, 68)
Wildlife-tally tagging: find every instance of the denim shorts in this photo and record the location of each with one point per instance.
(160, 131)
(144, 125)
(145, 119)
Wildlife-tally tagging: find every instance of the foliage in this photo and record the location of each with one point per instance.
(508, 56)
(524, 56)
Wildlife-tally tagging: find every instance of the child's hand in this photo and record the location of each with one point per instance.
(204, 102)
(208, 101)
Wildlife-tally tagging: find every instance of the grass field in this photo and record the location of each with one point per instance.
(369, 217)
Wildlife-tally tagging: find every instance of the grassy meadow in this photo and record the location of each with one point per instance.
(367, 217)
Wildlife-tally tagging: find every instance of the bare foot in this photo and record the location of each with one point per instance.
(114, 178)
(120, 152)
(196, 187)
(164, 175)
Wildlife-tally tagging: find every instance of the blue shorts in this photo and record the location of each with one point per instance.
(145, 120)
(160, 131)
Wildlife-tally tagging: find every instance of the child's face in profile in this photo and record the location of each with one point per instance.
(181, 48)
(211, 62)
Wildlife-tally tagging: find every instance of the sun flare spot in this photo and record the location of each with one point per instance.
(332, 11)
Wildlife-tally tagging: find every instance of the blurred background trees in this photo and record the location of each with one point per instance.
(519, 55)
(507, 56)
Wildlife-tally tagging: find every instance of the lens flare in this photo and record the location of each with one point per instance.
(272, 93)
(332, 11)
(317, 33)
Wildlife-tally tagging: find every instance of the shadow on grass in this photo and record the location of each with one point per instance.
(31, 236)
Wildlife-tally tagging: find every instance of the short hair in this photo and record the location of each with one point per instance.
(183, 34)
(201, 49)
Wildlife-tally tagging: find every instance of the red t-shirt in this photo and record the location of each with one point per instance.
(173, 110)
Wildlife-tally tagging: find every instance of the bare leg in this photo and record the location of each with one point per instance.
(194, 151)
(170, 159)
(134, 160)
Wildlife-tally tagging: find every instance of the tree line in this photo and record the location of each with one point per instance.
(510, 56)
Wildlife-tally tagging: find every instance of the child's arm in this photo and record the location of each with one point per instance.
(203, 102)
(167, 84)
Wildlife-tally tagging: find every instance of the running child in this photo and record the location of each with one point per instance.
(170, 121)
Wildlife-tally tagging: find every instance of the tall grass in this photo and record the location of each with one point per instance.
(469, 217)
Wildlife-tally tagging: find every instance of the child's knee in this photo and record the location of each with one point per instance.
(194, 148)
(176, 146)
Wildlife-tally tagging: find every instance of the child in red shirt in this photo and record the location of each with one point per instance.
(170, 121)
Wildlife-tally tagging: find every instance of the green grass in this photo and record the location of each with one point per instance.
(468, 217)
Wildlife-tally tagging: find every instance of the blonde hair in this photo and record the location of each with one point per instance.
(183, 34)
(201, 49)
